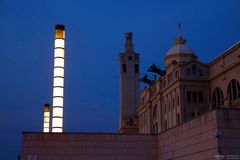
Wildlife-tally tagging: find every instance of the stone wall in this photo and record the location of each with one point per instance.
(84, 146)
(195, 139)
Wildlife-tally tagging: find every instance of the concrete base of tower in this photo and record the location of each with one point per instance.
(128, 130)
(129, 125)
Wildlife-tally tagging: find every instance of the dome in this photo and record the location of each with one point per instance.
(180, 47)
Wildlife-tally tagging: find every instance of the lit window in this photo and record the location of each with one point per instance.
(57, 81)
(57, 112)
(59, 52)
(58, 62)
(59, 43)
(57, 92)
(57, 122)
(58, 101)
(58, 72)
(59, 33)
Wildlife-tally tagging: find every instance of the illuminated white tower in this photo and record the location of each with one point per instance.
(129, 87)
(46, 118)
(58, 79)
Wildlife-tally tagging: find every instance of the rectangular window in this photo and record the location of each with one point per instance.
(189, 96)
(173, 104)
(188, 71)
(200, 97)
(194, 95)
(169, 77)
(177, 74)
(136, 68)
(165, 124)
(164, 83)
(194, 69)
(193, 114)
(124, 68)
(165, 107)
(178, 100)
(178, 118)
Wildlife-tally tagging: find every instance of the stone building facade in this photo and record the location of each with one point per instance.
(189, 88)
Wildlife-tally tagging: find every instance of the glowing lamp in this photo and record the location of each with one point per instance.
(46, 118)
(58, 79)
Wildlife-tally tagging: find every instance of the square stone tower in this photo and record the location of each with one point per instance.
(129, 87)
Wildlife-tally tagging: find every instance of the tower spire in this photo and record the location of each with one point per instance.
(128, 42)
(179, 29)
(179, 39)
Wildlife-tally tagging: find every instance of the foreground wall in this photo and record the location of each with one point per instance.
(80, 146)
(213, 135)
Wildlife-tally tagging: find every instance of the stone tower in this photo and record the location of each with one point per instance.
(129, 87)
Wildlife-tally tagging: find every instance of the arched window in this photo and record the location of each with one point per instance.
(155, 123)
(233, 90)
(217, 98)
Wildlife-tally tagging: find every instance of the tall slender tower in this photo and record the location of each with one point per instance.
(129, 87)
(58, 79)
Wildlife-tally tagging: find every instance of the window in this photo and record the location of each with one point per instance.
(173, 104)
(164, 83)
(189, 96)
(124, 68)
(177, 74)
(136, 68)
(155, 124)
(233, 90)
(192, 114)
(178, 100)
(165, 107)
(169, 77)
(200, 97)
(194, 69)
(178, 118)
(188, 71)
(200, 72)
(165, 124)
(217, 98)
(129, 58)
(195, 97)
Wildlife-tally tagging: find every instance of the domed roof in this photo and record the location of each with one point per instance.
(180, 47)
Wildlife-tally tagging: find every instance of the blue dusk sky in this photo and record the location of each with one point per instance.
(94, 37)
